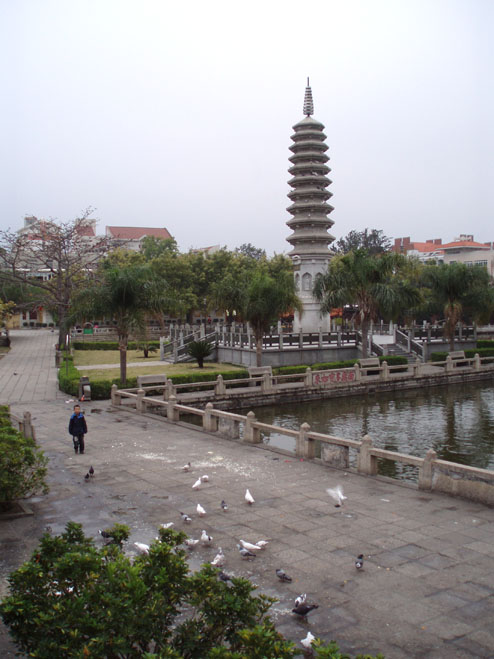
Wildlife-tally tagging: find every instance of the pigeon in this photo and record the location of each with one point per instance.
(187, 467)
(249, 498)
(282, 575)
(200, 510)
(104, 534)
(219, 559)
(224, 505)
(141, 547)
(191, 542)
(307, 641)
(86, 477)
(245, 553)
(196, 484)
(223, 576)
(337, 494)
(359, 563)
(185, 518)
(204, 478)
(167, 525)
(91, 471)
(262, 544)
(205, 538)
(304, 609)
(249, 546)
(301, 599)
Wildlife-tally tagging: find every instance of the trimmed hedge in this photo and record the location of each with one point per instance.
(392, 360)
(485, 343)
(112, 345)
(483, 352)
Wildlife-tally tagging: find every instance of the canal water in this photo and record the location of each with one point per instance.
(456, 421)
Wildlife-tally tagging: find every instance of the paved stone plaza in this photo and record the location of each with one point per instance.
(427, 586)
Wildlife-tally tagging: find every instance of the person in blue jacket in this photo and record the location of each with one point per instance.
(78, 428)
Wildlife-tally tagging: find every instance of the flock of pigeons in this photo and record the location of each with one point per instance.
(247, 550)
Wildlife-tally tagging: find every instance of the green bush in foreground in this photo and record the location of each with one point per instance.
(73, 599)
(483, 352)
(22, 464)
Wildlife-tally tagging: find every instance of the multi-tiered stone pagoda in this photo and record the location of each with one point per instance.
(310, 222)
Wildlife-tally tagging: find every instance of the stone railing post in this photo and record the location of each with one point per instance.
(266, 384)
(162, 348)
(300, 448)
(358, 372)
(417, 369)
(384, 372)
(116, 398)
(426, 471)
(169, 390)
(252, 435)
(280, 340)
(338, 336)
(140, 404)
(219, 387)
(172, 413)
(448, 366)
(476, 361)
(319, 340)
(301, 339)
(366, 463)
(209, 422)
(308, 377)
(27, 426)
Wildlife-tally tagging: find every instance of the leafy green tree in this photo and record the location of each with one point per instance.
(374, 241)
(121, 293)
(153, 247)
(199, 350)
(247, 249)
(460, 292)
(22, 464)
(378, 284)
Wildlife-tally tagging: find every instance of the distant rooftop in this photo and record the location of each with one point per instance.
(136, 233)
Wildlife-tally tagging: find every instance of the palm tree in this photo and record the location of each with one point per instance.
(377, 283)
(199, 350)
(459, 291)
(119, 292)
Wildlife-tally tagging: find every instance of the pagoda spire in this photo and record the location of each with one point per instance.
(308, 102)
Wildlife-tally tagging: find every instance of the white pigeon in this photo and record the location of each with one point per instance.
(200, 510)
(196, 484)
(205, 478)
(219, 559)
(262, 544)
(186, 467)
(337, 494)
(307, 641)
(301, 599)
(249, 498)
(141, 547)
(249, 546)
(186, 518)
(191, 542)
(167, 525)
(205, 538)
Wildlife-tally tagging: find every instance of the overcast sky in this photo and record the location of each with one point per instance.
(179, 114)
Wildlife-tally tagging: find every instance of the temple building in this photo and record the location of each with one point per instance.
(310, 210)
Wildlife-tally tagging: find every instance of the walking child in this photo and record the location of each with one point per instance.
(78, 428)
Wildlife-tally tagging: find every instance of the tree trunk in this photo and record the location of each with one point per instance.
(365, 337)
(123, 360)
(259, 349)
(200, 361)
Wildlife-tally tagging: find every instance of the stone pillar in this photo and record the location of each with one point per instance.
(219, 387)
(448, 367)
(252, 435)
(27, 426)
(426, 471)
(280, 341)
(476, 362)
(308, 377)
(366, 463)
(169, 390)
(417, 369)
(116, 399)
(162, 348)
(301, 339)
(171, 410)
(209, 422)
(140, 404)
(384, 372)
(300, 449)
(320, 338)
(358, 372)
(266, 384)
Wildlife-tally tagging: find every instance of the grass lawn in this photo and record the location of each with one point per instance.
(94, 357)
(156, 367)
(3, 351)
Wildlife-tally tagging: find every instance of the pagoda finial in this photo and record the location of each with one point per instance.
(308, 102)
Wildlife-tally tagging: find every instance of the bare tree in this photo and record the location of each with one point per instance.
(52, 258)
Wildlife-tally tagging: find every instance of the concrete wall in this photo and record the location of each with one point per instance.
(291, 357)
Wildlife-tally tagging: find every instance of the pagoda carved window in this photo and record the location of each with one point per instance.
(307, 282)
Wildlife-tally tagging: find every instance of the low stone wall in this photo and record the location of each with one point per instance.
(286, 357)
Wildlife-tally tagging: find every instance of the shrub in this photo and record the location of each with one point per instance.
(483, 352)
(485, 343)
(73, 599)
(22, 464)
(199, 350)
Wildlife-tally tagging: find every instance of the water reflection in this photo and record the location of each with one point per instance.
(456, 421)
